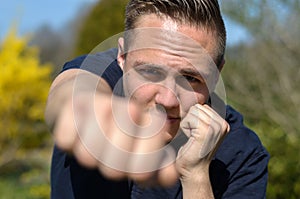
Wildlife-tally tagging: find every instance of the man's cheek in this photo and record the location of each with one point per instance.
(189, 101)
(131, 85)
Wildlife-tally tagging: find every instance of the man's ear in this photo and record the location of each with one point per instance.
(121, 53)
(220, 67)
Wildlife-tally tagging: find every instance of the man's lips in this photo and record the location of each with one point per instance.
(173, 119)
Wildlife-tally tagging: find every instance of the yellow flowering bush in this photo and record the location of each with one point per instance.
(24, 85)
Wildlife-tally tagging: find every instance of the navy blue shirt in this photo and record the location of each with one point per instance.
(238, 170)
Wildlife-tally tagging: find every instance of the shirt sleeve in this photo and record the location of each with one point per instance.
(103, 64)
(240, 167)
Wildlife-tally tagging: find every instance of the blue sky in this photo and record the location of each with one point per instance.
(31, 14)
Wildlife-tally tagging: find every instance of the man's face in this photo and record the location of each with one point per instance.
(169, 66)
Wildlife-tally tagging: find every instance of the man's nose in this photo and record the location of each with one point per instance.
(167, 96)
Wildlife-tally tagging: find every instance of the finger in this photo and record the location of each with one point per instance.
(204, 113)
(90, 145)
(195, 122)
(188, 154)
(208, 133)
(65, 131)
(146, 158)
(196, 114)
(113, 162)
(117, 135)
(113, 155)
(212, 114)
(84, 156)
(211, 136)
(148, 148)
(204, 128)
(164, 175)
(189, 122)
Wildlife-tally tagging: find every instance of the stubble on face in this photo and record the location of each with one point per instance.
(163, 42)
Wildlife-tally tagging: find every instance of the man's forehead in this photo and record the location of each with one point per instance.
(165, 60)
(164, 38)
(174, 43)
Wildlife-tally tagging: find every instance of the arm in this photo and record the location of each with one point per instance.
(198, 186)
(206, 130)
(62, 90)
(80, 113)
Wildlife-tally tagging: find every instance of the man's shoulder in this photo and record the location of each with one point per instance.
(238, 129)
(241, 141)
(103, 64)
(240, 163)
(96, 63)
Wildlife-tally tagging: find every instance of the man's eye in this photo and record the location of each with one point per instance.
(188, 79)
(189, 82)
(151, 74)
(191, 79)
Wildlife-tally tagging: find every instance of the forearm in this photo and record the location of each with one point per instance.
(197, 186)
(56, 100)
(68, 85)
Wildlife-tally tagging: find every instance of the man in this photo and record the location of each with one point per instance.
(117, 116)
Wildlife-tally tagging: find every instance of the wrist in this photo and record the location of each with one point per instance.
(197, 184)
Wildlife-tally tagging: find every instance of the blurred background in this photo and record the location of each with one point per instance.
(261, 76)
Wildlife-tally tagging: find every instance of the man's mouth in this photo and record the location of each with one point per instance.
(173, 119)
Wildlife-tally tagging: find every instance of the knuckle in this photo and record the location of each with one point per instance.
(217, 128)
(225, 127)
(84, 157)
(111, 173)
(141, 177)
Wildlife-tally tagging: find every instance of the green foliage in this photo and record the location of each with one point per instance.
(105, 20)
(254, 87)
(24, 85)
(262, 81)
(284, 168)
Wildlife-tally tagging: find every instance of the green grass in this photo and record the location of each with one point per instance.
(11, 188)
(25, 182)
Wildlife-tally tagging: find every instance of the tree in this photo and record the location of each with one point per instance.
(105, 20)
(262, 80)
(24, 84)
(57, 46)
(53, 47)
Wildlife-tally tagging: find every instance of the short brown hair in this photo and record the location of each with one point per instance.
(199, 13)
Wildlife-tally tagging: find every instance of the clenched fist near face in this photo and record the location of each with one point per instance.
(205, 130)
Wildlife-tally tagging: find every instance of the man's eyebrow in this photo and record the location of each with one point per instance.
(183, 71)
(190, 71)
(142, 63)
(139, 63)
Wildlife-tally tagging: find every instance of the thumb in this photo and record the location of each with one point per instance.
(189, 123)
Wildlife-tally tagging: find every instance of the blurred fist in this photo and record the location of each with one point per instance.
(119, 137)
